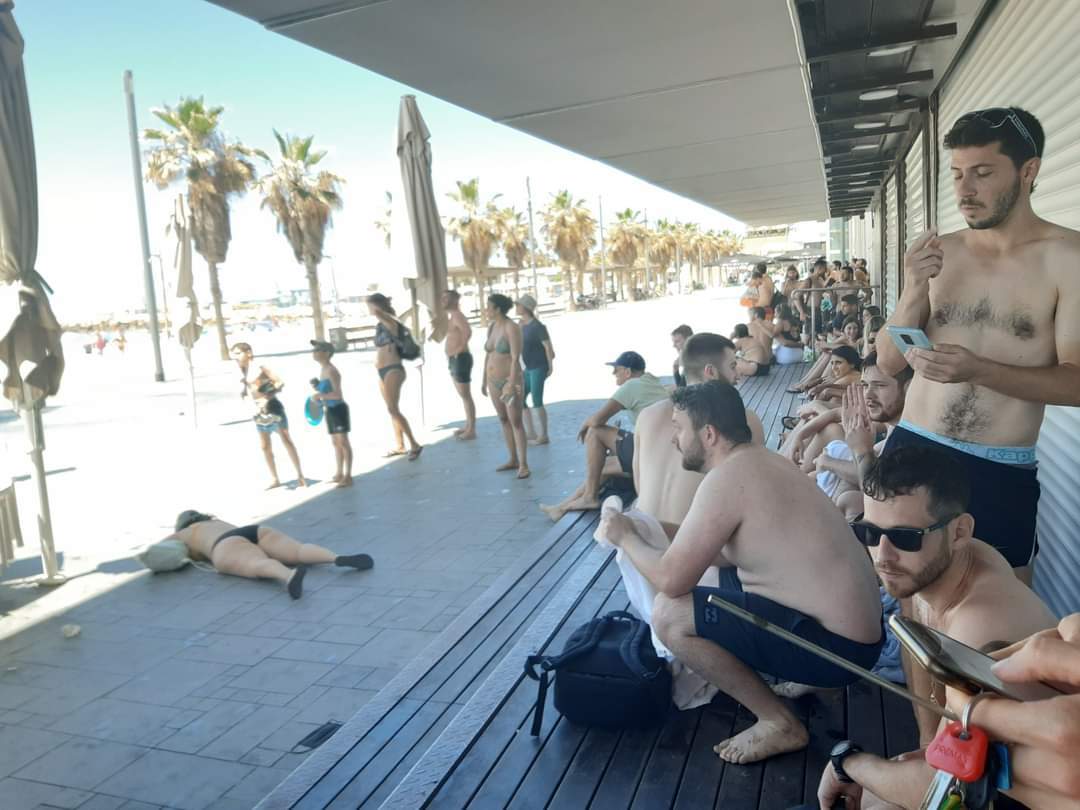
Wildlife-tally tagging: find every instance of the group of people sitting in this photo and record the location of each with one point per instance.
(907, 474)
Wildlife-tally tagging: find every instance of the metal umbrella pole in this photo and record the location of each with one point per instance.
(532, 241)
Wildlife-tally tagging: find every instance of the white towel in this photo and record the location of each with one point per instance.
(688, 689)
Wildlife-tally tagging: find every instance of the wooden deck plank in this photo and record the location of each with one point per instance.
(700, 783)
(782, 781)
(901, 730)
(827, 726)
(865, 719)
(620, 781)
(664, 768)
(740, 785)
(586, 769)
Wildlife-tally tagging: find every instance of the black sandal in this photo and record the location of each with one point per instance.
(790, 422)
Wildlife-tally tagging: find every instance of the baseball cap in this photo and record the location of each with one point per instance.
(630, 360)
(322, 346)
(528, 302)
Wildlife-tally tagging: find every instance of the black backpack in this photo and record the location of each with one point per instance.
(406, 345)
(609, 676)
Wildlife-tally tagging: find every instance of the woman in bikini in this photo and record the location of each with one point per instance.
(256, 552)
(391, 373)
(502, 380)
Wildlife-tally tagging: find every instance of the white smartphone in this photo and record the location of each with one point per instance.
(909, 337)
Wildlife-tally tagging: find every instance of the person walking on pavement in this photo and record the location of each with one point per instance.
(336, 410)
(391, 372)
(460, 360)
(538, 357)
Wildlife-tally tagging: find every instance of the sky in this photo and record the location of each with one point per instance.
(89, 248)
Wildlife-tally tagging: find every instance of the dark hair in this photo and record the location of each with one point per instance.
(501, 302)
(791, 267)
(849, 354)
(241, 347)
(875, 324)
(382, 302)
(872, 310)
(852, 319)
(741, 330)
(454, 295)
(837, 263)
(907, 469)
(703, 349)
(683, 330)
(821, 261)
(850, 298)
(904, 376)
(715, 403)
(761, 267)
(971, 129)
(189, 516)
(758, 311)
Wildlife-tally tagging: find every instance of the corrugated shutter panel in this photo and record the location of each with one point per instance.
(1021, 56)
(892, 238)
(875, 261)
(914, 223)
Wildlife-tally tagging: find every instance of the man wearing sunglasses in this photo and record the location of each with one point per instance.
(922, 540)
(1000, 302)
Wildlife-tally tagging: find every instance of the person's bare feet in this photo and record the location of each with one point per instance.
(510, 465)
(399, 451)
(301, 482)
(793, 690)
(541, 440)
(465, 435)
(582, 505)
(337, 478)
(523, 472)
(274, 484)
(345, 482)
(762, 740)
(553, 512)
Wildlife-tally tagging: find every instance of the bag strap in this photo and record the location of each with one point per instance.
(631, 648)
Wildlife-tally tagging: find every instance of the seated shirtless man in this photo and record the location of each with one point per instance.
(751, 358)
(923, 541)
(798, 566)
(1001, 303)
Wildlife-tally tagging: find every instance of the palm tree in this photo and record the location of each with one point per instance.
(570, 230)
(475, 227)
(302, 200)
(513, 233)
(662, 248)
(194, 148)
(626, 243)
(384, 223)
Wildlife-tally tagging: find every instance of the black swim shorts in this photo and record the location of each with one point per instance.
(461, 367)
(762, 651)
(762, 369)
(1004, 498)
(337, 418)
(624, 451)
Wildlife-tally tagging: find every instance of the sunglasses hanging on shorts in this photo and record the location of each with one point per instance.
(994, 117)
(902, 538)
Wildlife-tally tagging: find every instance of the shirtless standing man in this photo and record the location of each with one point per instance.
(460, 359)
(1001, 303)
(922, 539)
(798, 566)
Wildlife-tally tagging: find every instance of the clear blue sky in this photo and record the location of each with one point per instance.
(89, 244)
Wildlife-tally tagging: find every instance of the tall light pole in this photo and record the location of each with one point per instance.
(144, 237)
(603, 251)
(532, 241)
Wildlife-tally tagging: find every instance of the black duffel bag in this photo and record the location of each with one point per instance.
(609, 676)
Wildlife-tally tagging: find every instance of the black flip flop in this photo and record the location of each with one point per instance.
(790, 422)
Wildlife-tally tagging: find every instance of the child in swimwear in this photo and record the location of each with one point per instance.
(328, 392)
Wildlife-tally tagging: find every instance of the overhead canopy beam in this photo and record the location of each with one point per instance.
(880, 82)
(900, 104)
(929, 33)
(845, 160)
(842, 173)
(858, 134)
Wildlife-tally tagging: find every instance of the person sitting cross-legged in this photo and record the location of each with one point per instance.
(610, 450)
(798, 566)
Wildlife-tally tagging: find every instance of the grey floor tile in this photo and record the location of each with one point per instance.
(212, 724)
(257, 784)
(166, 778)
(321, 652)
(169, 681)
(277, 675)
(336, 704)
(228, 649)
(116, 720)
(81, 763)
(21, 746)
(392, 648)
(21, 794)
(249, 732)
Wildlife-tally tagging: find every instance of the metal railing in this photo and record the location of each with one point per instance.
(877, 289)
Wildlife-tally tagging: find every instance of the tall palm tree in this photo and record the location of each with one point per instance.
(662, 248)
(571, 233)
(194, 149)
(475, 227)
(384, 223)
(302, 200)
(513, 234)
(626, 243)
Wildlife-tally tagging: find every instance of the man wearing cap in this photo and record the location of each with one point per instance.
(538, 357)
(610, 450)
(460, 360)
(336, 410)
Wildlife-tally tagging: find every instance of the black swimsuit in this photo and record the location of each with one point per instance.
(249, 533)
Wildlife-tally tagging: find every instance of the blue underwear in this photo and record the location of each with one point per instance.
(1018, 456)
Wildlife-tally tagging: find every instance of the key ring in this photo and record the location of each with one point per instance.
(965, 716)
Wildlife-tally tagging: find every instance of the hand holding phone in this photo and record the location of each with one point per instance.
(909, 337)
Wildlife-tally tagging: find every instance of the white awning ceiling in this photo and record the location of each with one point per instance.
(708, 100)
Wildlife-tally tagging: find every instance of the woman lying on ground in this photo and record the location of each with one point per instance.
(850, 336)
(257, 552)
(752, 360)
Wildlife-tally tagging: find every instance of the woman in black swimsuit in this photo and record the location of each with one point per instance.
(256, 552)
(391, 373)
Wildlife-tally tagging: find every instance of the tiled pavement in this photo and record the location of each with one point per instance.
(190, 690)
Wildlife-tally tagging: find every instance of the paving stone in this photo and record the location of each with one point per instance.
(257, 784)
(15, 718)
(167, 778)
(203, 731)
(392, 648)
(224, 649)
(115, 657)
(116, 720)
(288, 735)
(169, 681)
(21, 746)
(278, 675)
(184, 718)
(20, 794)
(130, 805)
(362, 611)
(411, 614)
(318, 651)
(380, 677)
(347, 675)
(336, 704)
(81, 763)
(224, 693)
(14, 695)
(347, 634)
(274, 699)
(102, 802)
(194, 615)
(262, 757)
(249, 732)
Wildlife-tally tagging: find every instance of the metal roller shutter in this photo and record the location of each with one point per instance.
(1023, 55)
(915, 223)
(892, 247)
(875, 259)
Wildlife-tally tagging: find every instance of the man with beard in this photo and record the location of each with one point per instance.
(798, 566)
(1001, 304)
(922, 538)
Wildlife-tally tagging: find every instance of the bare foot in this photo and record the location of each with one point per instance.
(301, 482)
(274, 484)
(793, 690)
(553, 512)
(345, 482)
(530, 437)
(400, 451)
(466, 435)
(542, 440)
(510, 465)
(582, 505)
(523, 472)
(762, 740)
(337, 478)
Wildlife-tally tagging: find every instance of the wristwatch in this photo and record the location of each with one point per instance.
(841, 751)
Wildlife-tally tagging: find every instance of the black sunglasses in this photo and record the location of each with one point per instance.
(903, 538)
(995, 117)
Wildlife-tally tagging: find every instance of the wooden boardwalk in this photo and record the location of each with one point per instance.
(452, 729)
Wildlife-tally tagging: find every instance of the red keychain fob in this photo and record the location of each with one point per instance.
(963, 758)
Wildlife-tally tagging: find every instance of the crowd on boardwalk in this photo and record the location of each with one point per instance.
(906, 480)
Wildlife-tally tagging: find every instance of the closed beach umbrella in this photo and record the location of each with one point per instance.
(425, 227)
(30, 347)
(185, 288)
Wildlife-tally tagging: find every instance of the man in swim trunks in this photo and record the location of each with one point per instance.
(610, 450)
(538, 357)
(336, 410)
(1000, 302)
(270, 415)
(751, 358)
(923, 542)
(460, 360)
(798, 566)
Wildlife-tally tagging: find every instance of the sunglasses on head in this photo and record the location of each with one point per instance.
(994, 117)
(902, 538)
